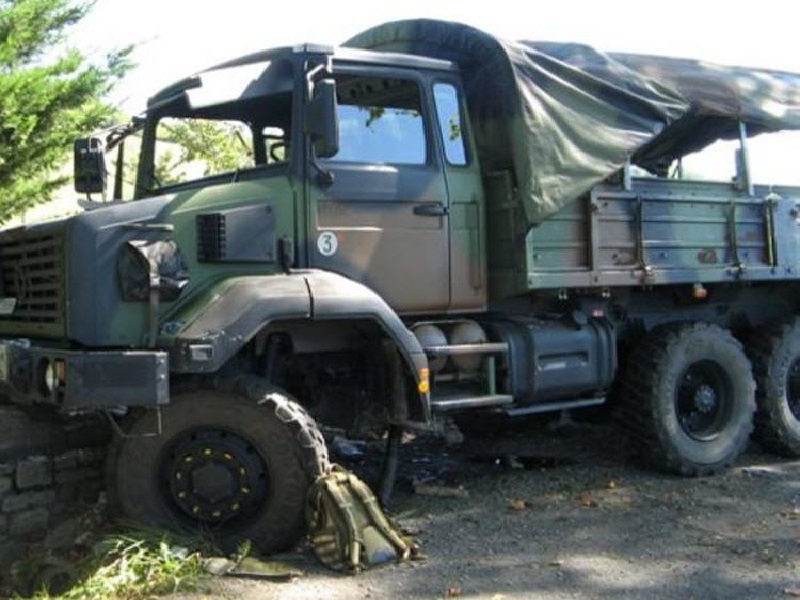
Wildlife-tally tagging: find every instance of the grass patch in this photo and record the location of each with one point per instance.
(129, 566)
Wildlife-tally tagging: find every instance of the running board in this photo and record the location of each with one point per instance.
(453, 402)
(466, 349)
(554, 406)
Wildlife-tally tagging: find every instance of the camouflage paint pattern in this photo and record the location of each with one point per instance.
(480, 246)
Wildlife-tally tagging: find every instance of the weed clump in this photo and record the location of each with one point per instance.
(131, 566)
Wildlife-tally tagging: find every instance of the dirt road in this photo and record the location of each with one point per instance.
(555, 515)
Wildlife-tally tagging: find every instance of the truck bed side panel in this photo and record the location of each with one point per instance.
(662, 232)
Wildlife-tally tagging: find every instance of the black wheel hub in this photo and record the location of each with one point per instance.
(214, 476)
(702, 400)
(212, 482)
(793, 389)
(705, 399)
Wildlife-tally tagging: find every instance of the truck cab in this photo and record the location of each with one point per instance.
(396, 203)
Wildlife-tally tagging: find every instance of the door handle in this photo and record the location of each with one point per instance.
(436, 209)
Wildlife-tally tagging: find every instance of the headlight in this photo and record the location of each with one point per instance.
(55, 373)
(138, 260)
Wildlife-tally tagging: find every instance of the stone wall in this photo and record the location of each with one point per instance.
(50, 468)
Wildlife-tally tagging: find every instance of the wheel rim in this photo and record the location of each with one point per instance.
(793, 389)
(703, 400)
(214, 476)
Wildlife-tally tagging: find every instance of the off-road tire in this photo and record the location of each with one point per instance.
(775, 352)
(689, 363)
(270, 429)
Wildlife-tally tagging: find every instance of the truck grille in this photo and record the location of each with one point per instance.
(32, 267)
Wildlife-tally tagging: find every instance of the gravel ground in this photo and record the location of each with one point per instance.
(564, 513)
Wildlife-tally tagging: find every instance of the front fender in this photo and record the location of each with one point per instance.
(240, 307)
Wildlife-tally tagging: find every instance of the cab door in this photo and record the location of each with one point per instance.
(465, 191)
(381, 214)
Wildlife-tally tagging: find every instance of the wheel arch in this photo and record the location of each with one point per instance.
(238, 309)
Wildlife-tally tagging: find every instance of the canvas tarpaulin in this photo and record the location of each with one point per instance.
(563, 117)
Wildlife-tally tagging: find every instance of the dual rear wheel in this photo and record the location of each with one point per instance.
(776, 362)
(691, 396)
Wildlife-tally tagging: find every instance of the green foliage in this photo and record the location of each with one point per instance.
(134, 566)
(49, 95)
(215, 146)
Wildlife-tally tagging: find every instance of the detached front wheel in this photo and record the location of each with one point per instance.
(689, 399)
(236, 463)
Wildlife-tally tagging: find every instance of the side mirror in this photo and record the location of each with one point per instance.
(322, 124)
(89, 166)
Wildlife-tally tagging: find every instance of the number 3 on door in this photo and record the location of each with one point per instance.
(327, 243)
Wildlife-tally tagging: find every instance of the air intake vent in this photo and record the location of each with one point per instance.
(244, 234)
(211, 238)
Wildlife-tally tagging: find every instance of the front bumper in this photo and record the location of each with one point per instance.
(79, 379)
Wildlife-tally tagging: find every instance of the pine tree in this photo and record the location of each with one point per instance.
(49, 95)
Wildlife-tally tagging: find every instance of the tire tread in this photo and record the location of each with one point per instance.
(770, 429)
(639, 407)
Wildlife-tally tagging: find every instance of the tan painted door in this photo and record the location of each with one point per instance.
(384, 220)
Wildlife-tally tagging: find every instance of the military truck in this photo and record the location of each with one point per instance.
(427, 222)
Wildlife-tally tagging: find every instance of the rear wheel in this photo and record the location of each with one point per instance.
(776, 363)
(236, 463)
(689, 399)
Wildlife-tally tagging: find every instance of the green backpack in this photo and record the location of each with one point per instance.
(347, 527)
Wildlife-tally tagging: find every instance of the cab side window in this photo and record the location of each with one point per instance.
(380, 121)
(449, 116)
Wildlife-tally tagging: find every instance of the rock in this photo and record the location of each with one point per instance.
(91, 456)
(72, 475)
(36, 471)
(759, 471)
(29, 521)
(64, 535)
(5, 485)
(68, 460)
(25, 433)
(9, 551)
(218, 566)
(18, 502)
(518, 504)
(442, 491)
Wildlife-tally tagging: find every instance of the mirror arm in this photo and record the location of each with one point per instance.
(324, 176)
(118, 171)
(311, 76)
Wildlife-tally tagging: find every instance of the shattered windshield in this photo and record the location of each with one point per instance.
(220, 125)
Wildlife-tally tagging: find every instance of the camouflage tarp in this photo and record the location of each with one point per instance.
(563, 117)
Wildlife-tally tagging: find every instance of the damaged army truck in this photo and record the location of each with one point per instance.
(426, 221)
